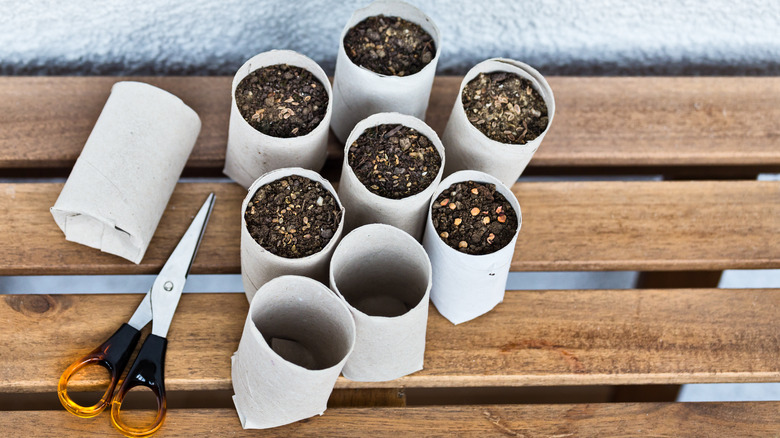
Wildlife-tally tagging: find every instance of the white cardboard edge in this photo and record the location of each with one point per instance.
(258, 265)
(122, 181)
(268, 390)
(365, 207)
(466, 286)
(468, 148)
(250, 153)
(386, 348)
(359, 92)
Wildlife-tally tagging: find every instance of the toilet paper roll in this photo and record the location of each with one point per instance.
(466, 286)
(384, 276)
(468, 148)
(125, 175)
(296, 339)
(250, 153)
(259, 265)
(359, 92)
(365, 207)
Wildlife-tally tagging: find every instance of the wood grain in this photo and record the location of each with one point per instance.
(671, 225)
(749, 419)
(681, 225)
(534, 338)
(627, 122)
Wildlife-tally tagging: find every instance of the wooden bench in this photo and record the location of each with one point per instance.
(543, 341)
(711, 127)
(593, 420)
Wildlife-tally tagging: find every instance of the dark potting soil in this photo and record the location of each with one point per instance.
(292, 217)
(474, 218)
(505, 107)
(394, 161)
(389, 45)
(282, 100)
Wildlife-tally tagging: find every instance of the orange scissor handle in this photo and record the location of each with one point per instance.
(147, 370)
(112, 355)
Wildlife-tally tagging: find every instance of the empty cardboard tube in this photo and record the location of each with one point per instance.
(125, 175)
(468, 148)
(250, 153)
(297, 337)
(384, 276)
(365, 207)
(466, 286)
(258, 265)
(359, 92)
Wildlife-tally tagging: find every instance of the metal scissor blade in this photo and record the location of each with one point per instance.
(142, 314)
(168, 286)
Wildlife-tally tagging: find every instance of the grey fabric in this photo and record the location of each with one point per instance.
(202, 37)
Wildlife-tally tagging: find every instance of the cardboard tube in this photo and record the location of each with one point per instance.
(365, 207)
(258, 265)
(468, 148)
(384, 276)
(296, 339)
(119, 187)
(250, 153)
(359, 92)
(466, 286)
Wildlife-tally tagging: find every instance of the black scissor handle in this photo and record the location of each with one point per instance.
(112, 355)
(147, 370)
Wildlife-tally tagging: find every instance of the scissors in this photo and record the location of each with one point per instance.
(158, 306)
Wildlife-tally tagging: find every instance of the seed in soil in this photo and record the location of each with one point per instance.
(390, 46)
(282, 100)
(394, 161)
(482, 222)
(505, 107)
(292, 217)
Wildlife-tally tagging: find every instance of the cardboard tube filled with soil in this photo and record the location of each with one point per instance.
(386, 62)
(392, 165)
(470, 237)
(502, 113)
(297, 337)
(387, 292)
(291, 221)
(279, 116)
(122, 181)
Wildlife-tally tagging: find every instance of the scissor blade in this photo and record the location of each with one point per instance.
(142, 314)
(168, 286)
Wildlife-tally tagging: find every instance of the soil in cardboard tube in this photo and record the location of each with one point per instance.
(292, 217)
(389, 46)
(505, 107)
(474, 218)
(394, 161)
(282, 100)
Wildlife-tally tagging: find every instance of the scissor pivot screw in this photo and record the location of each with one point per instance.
(168, 286)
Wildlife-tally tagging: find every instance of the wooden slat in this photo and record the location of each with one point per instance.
(671, 225)
(534, 338)
(648, 226)
(748, 419)
(45, 121)
(626, 122)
